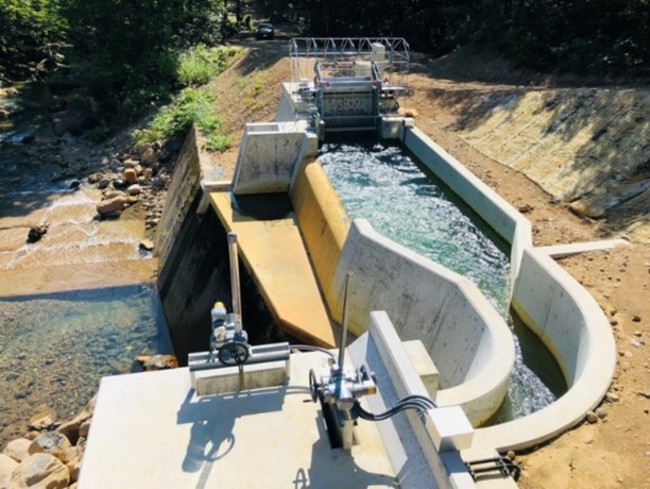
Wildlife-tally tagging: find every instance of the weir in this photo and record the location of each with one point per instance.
(316, 269)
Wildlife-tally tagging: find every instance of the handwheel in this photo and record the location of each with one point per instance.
(233, 353)
(313, 385)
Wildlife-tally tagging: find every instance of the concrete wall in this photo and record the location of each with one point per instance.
(498, 213)
(467, 339)
(569, 321)
(291, 106)
(323, 223)
(549, 301)
(267, 154)
(185, 185)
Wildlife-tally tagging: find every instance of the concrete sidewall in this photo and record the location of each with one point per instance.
(267, 157)
(323, 223)
(569, 321)
(549, 301)
(465, 336)
(492, 208)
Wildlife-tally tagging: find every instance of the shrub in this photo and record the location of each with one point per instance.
(200, 64)
(190, 106)
(31, 32)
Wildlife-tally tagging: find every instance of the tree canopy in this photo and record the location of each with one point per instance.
(124, 53)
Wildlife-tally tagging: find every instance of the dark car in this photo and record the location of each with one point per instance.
(265, 31)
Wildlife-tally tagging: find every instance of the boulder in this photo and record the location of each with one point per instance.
(17, 449)
(7, 466)
(71, 428)
(146, 244)
(51, 442)
(103, 183)
(43, 419)
(112, 205)
(36, 233)
(130, 163)
(74, 467)
(130, 175)
(95, 177)
(134, 189)
(148, 156)
(157, 362)
(40, 471)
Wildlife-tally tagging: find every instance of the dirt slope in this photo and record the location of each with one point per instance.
(538, 147)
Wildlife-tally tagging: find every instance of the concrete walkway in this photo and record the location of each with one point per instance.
(275, 254)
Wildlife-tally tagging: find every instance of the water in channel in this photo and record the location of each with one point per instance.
(404, 201)
(54, 348)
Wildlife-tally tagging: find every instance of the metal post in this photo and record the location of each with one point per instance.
(344, 331)
(234, 281)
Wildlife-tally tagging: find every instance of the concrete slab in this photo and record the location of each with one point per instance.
(275, 254)
(150, 430)
(560, 251)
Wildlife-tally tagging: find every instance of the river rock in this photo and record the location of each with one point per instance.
(40, 471)
(114, 164)
(71, 428)
(95, 177)
(134, 189)
(591, 417)
(7, 466)
(36, 233)
(146, 244)
(114, 204)
(148, 156)
(130, 175)
(17, 449)
(157, 362)
(51, 442)
(84, 428)
(45, 418)
(103, 183)
(130, 163)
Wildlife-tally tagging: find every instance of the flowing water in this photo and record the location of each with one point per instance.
(54, 348)
(404, 201)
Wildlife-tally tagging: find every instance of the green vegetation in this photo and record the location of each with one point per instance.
(123, 56)
(199, 65)
(190, 106)
(32, 33)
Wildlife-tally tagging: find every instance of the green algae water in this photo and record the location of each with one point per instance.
(404, 201)
(54, 348)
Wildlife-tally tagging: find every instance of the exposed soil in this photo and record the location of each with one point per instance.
(455, 100)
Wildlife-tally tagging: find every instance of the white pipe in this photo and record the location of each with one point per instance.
(344, 331)
(234, 281)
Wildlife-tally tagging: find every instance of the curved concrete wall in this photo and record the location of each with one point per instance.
(549, 301)
(465, 336)
(569, 321)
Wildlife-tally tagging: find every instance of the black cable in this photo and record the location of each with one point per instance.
(420, 403)
(312, 348)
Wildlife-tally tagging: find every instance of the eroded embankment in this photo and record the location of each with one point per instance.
(589, 147)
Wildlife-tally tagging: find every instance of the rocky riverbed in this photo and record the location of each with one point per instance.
(77, 229)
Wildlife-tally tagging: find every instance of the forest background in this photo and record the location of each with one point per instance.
(124, 55)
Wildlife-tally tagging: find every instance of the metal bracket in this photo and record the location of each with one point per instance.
(501, 465)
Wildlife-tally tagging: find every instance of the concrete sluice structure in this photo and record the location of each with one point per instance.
(457, 349)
